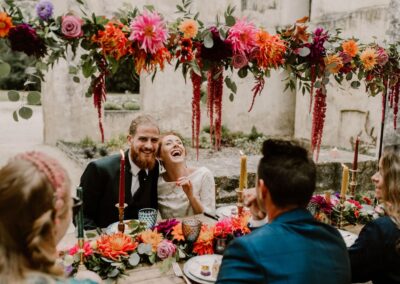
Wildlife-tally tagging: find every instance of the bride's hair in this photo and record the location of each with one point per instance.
(34, 193)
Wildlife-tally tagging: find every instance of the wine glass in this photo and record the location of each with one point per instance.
(191, 230)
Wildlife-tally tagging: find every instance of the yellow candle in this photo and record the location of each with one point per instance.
(328, 197)
(243, 172)
(345, 181)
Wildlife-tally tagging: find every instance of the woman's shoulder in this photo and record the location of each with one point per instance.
(200, 171)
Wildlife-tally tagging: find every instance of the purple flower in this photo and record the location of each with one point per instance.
(239, 61)
(44, 10)
(165, 227)
(322, 204)
(382, 57)
(165, 249)
(24, 38)
(317, 49)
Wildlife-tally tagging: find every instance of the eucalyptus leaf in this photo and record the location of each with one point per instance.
(230, 20)
(304, 51)
(208, 40)
(152, 258)
(144, 248)
(355, 84)
(231, 97)
(242, 73)
(349, 76)
(5, 69)
(317, 84)
(325, 81)
(25, 112)
(76, 79)
(15, 115)
(234, 87)
(134, 259)
(13, 96)
(113, 273)
(33, 98)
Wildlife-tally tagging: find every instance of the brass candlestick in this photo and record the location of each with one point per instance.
(81, 243)
(240, 200)
(353, 183)
(121, 224)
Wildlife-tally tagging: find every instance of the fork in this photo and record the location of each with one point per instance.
(178, 272)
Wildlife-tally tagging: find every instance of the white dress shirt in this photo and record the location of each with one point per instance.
(135, 175)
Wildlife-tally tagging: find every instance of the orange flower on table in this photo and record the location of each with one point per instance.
(270, 50)
(189, 28)
(152, 238)
(333, 63)
(113, 40)
(350, 47)
(205, 241)
(5, 24)
(177, 233)
(368, 58)
(115, 245)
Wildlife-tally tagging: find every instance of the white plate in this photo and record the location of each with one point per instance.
(349, 238)
(225, 211)
(113, 228)
(192, 267)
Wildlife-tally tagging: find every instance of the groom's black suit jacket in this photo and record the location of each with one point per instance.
(100, 183)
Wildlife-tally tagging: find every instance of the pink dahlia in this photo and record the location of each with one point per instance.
(149, 31)
(242, 36)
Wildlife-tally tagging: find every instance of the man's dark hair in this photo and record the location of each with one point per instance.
(288, 172)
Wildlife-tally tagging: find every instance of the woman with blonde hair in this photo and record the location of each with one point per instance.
(182, 190)
(35, 212)
(375, 255)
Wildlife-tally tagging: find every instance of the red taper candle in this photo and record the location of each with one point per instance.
(355, 160)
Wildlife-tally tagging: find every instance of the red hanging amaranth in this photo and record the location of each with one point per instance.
(214, 103)
(313, 78)
(395, 103)
(259, 86)
(318, 121)
(196, 113)
(386, 90)
(99, 91)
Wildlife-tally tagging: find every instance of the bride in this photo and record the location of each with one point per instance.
(182, 190)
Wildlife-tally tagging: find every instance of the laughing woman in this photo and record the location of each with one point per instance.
(182, 191)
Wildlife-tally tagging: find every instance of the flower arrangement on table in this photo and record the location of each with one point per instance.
(355, 211)
(206, 53)
(111, 255)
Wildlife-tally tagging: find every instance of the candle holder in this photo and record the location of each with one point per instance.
(121, 225)
(240, 200)
(341, 209)
(353, 182)
(81, 243)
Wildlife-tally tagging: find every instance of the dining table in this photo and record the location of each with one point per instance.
(147, 273)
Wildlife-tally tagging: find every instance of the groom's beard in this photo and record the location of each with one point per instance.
(143, 161)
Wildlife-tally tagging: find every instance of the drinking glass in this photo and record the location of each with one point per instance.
(148, 216)
(191, 230)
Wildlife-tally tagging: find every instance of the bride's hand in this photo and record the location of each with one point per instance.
(186, 186)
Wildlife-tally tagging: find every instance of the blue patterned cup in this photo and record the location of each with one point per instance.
(148, 216)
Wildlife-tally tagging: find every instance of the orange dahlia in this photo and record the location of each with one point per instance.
(115, 245)
(271, 49)
(350, 47)
(368, 58)
(152, 238)
(189, 28)
(112, 40)
(5, 24)
(143, 62)
(333, 63)
(205, 241)
(177, 233)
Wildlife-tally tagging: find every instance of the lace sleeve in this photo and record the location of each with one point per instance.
(207, 191)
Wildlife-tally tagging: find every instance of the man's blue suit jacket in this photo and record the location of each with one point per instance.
(294, 248)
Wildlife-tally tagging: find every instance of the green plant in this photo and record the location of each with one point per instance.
(87, 142)
(131, 106)
(117, 142)
(112, 106)
(254, 134)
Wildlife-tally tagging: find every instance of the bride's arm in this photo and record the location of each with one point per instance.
(188, 189)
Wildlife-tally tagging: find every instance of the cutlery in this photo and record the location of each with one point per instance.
(178, 272)
(212, 216)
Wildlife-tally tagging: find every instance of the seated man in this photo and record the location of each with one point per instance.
(100, 181)
(292, 247)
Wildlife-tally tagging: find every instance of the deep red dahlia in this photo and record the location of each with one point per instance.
(25, 39)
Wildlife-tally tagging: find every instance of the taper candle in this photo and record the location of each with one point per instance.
(122, 180)
(79, 217)
(345, 181)
(355, 160)
(243, 171)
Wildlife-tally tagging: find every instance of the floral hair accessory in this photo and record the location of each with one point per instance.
(52, 170)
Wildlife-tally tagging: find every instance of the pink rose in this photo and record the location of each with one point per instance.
(71, 26)
(382, 57)
(239, 61)
(165, 249)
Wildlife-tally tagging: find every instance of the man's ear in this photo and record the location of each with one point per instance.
(129, 139)
(263, 188)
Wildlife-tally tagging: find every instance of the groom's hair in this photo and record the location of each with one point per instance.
(143, 119)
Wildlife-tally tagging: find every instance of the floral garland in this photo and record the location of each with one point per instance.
(214, 53)
(110, 255)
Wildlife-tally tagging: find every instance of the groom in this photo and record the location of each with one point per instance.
(100, 181)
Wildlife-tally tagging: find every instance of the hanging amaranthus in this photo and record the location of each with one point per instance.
(318, 121)
(99, 91)
(214, 103)
(196, 113)
(395, 94)
(312, 83)
(258, 87)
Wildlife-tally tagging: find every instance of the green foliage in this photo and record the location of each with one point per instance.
(117, 142)
(112, 106)
(87, 142)
(131, 106)
(254, 134)
(125, 79)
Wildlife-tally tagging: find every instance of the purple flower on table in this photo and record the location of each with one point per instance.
(44, 10)
(25, 39)
(320, 201)
(165, 249)
(165, 227)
